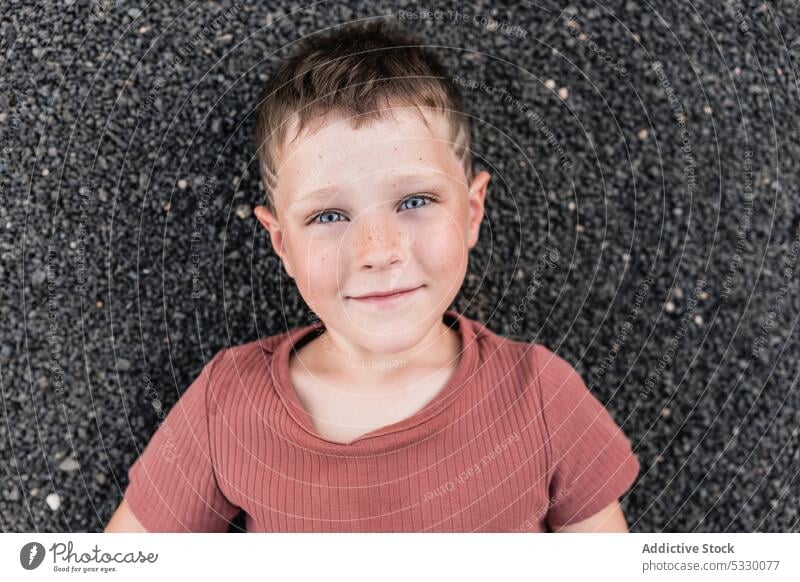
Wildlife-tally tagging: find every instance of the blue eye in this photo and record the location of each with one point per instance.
(424, 197)
(319, 218)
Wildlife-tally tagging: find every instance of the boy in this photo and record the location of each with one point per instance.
(393, 412)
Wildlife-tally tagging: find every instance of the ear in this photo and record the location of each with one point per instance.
(270, 222)
(477, 196)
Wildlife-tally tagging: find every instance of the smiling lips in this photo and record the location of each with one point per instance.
(386, 297)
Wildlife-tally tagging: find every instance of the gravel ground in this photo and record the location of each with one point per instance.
(642, 220)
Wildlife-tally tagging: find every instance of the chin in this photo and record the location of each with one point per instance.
(387, 335)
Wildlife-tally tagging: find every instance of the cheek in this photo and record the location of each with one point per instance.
(440, 245)
(315, 263)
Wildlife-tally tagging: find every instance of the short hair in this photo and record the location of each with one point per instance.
(358, 71)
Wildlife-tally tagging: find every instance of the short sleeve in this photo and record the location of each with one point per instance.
(172, 486)
(592, 463)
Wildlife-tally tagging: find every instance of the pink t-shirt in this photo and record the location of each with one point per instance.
(514, 442)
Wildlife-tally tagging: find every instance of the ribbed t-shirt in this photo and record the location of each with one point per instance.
(514, 442)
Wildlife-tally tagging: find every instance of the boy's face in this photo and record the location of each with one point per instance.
(396, 213)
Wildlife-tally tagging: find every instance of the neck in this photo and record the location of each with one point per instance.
(333, 354)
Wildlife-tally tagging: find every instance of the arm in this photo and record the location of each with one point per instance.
(607, 520)
(172, 485)
(123, 521)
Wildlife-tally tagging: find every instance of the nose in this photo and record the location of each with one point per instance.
(379, 242)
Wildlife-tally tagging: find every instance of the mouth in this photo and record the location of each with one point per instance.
(386, 297)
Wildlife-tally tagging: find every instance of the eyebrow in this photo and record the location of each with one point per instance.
(330, 190)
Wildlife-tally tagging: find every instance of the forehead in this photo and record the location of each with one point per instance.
(334, 153)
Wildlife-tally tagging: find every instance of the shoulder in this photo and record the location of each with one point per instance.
(247, 366)
(572, 413)
(498, 351)
(550, 385)
(556, 375)
(528, 368)
(564, 391)
(491, 342)
(554, 380)
(535, 360)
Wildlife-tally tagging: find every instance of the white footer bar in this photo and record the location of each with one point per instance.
(403, 557)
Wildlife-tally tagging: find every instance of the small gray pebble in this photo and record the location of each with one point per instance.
(69, 464)
(244, 211)
(38, 277)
